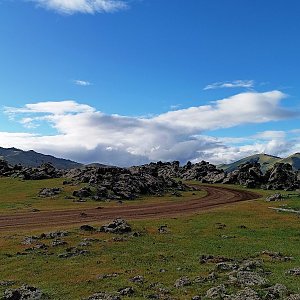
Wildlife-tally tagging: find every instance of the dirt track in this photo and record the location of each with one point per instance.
(216, 196)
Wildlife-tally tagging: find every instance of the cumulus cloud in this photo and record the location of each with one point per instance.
(230, 84)
(82, 82)
(82, 6)
(87, 135)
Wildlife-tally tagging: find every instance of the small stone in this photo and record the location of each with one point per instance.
(216, 292)
(128, 291)
(87, 228)
(137, 279)
(245, 294)
(294, 272)
(181, 282)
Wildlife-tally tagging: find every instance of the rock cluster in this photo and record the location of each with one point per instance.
(22, 293)
(45, 171)
(121, 183)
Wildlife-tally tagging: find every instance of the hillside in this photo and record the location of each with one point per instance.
(294, 160)
(265, 160)
(34, 159)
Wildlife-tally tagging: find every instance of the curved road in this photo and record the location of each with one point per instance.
(216, 196)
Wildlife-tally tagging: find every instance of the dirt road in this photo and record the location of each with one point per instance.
(216, 196)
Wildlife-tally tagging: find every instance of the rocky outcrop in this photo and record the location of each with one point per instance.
(282, 177)
(248, 174)
(203, 172)
(121, 183)
(45, 171)
(24, 292)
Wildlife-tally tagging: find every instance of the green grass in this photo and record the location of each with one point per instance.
(177, 251)
(22, 196)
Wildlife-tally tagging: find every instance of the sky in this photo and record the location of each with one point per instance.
(127, 82)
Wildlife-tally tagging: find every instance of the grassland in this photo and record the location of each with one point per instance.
(251, 227)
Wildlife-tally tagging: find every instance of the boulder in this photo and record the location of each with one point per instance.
(118, 226)
(24, 292)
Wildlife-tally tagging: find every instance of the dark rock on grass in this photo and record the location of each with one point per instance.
(213, 259)
(49, 192)
(103, 296)
(118, 226)
(274, 197)
(183, 281)
(24, 292)
(294, 272)
(226, 266)
(127, 291)
(54, 235)
(218, 292)
(58, 242)
(251, 265)
(137, 279)
(87, 228)
(276, 292)
(39, 246)
(6, 283)
(245, 294)
(210, 278)
(73, 251)
(293, 297)
(105, 276)
(246, 278)
(220, 226)
(163, 229)
(29, 240)
(196, 298)
(84, 192)
(276, 255)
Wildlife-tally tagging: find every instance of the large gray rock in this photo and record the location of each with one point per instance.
(118, 226)
(25, 292)
(245, 294)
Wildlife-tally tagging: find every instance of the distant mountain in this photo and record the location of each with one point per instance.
(266, 161)
(34, 159)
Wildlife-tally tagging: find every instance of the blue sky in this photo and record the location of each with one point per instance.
(142, 59)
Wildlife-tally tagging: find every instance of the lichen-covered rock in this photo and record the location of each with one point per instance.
(118, 226)
(49, 192)
(218, 292)
(25, 292)
(246, 278)
(245, 294)
(181, 282)
(103, 296)
(276, 291)
(294, 272)
(274, 197)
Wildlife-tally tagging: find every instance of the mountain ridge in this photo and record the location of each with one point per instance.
(267, 161)
(32, 158)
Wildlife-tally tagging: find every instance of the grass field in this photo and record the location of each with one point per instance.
(250, 227)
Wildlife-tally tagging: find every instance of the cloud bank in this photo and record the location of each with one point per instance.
(82, 6)
(87, 135)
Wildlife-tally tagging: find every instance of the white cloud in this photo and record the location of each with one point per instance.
(270, 135)
(87, 135)
(82, 6)
(82, 82)
(231, 84)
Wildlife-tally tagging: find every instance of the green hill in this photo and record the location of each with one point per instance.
(266, 161)
(294, 160)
